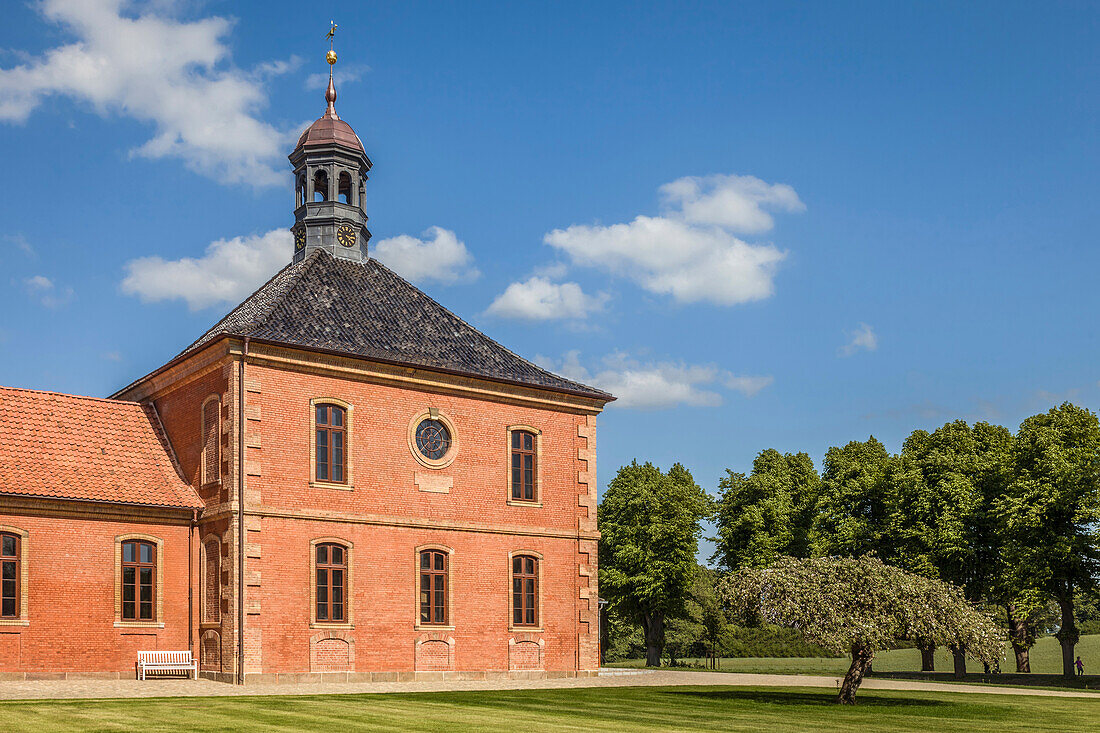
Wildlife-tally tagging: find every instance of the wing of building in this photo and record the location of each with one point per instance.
(340, 480)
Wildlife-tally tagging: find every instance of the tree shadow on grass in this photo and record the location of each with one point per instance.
(820, 699)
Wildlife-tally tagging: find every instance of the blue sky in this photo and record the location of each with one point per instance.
(762, 224)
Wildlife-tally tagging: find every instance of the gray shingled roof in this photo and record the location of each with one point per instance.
(365, 309)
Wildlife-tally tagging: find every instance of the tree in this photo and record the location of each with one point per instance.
(1051, 510)
(651, 523)
(852, 510)
(767, 514)
(942, 488)
(859, 605)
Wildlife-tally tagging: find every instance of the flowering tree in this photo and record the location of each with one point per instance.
(857, 606)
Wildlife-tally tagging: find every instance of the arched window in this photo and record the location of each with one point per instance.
(211, 440)
(344, 190)
(10, 589)
(433, 587)
(212, 588)
(524, 466)
(525, 590)
(331, 442)
(332, 582)
(139, 581)
(300, 192)
(320, 186)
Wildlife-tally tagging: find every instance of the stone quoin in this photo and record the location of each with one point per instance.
(341, 480)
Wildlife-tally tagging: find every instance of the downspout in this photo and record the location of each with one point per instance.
(191, 581)
(240, 514)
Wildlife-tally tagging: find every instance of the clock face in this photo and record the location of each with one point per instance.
(299, 238)
(345, 235)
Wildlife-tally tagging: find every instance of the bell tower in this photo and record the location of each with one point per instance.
(330, 173)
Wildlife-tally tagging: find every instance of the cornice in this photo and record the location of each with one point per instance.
(422, 523)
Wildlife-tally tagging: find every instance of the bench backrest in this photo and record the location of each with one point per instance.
(164, 657)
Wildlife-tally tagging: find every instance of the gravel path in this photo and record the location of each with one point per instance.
(70, 689)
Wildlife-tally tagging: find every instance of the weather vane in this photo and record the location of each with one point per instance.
(331, 56)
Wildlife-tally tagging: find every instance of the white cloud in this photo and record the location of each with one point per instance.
(746, 385)
(20, 242)
(539, 299)
(43, 289)
(691, 252)
(112, 355)
(643, 385)
(861, 339)
(174, 74)
(229, 271)
(439, 255)
(737, 203)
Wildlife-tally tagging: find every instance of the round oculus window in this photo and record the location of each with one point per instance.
(433, 439)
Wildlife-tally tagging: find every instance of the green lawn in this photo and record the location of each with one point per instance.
(1046, 658)
(601, 709)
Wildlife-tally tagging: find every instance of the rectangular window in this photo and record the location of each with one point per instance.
(525, 590)
(139, 581)
(9, 575)
(331, 444)
(332, 583)
(524, 466)
(433, 587)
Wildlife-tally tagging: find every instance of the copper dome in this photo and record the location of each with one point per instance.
(330, 129)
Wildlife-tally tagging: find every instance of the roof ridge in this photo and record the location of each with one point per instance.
(109, 400)
(237, 307)
(480, 332)
(308, 263)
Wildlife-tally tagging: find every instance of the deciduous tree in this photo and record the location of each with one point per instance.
(767, 514)
(942, 489)
(859, 605)
(1051, 511)
(651, 523)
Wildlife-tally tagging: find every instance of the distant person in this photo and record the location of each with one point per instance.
(1080, 667)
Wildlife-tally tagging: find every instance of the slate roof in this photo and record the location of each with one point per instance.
(89, 449)
(365, 309)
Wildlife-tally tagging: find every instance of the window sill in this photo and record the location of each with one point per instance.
(205, 625)
(14, 622)
(432, 627)
(520, 502)
(139, 624)
(323, 625)
(329, 485)
(526, 629)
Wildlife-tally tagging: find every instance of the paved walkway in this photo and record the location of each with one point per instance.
(62, 689)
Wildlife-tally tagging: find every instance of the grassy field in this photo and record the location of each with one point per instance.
(1046, 658)
(600, 709)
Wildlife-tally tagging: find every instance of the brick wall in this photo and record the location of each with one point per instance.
(71, 597)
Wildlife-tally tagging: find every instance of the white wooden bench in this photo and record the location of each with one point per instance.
(165, 661)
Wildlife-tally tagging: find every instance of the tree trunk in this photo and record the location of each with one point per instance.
(861, 662)
(653, 626)
(928, 658)
(959, 656)
(1067, 635)
(1018, 634)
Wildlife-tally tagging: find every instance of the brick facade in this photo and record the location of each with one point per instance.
(392, 505)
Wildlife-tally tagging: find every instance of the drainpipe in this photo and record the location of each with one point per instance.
(240, 513)
(191, 581)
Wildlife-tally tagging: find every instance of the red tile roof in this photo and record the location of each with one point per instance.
(89, 449)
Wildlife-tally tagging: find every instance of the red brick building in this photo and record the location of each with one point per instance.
(341, 479)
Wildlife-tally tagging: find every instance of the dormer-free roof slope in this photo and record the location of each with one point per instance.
(87, 449)
(366, 310)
